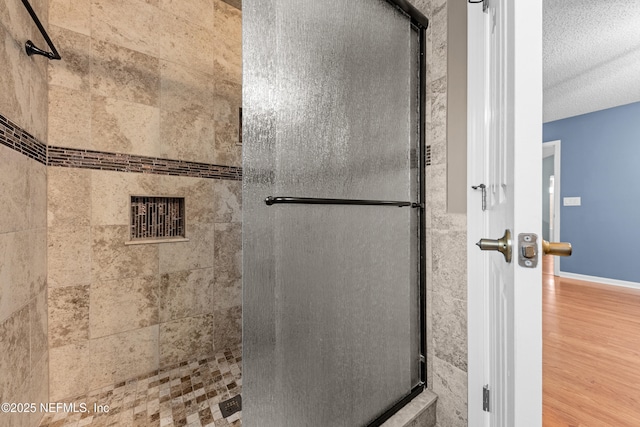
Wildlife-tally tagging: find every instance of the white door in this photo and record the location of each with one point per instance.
(505, 130)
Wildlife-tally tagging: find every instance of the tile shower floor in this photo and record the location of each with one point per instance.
(187, 394)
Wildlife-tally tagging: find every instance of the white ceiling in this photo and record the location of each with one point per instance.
(591, 56)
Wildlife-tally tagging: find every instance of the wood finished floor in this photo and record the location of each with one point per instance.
(591, 353)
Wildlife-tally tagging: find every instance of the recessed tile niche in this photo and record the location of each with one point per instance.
(155, 219)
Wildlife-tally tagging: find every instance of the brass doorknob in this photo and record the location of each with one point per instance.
(502, 245)
(556, 248)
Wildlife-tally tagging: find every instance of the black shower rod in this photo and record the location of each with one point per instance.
(319, 201)
(33, 49)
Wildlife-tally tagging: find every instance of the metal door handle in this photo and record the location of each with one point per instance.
(556, 248)
(502, 245)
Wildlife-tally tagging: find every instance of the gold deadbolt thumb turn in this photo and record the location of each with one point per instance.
(556, 248)
(502, 245)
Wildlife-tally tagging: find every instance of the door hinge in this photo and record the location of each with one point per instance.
(485, 398)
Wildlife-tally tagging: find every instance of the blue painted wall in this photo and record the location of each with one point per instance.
(601, 163)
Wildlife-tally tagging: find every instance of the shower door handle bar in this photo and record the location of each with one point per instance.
(319, 201)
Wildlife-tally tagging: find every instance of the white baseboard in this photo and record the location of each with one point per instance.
(603, 280)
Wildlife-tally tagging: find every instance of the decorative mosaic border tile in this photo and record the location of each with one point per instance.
(89, 159)
(16, 138)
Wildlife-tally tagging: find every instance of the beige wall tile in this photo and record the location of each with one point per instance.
(123, 73)
(185, 294)
(69, 201)
(37, 182)
(133, 24)
(69, 106)
(38, 101)
(450, 384)
(112, 259)
(198, 194)
(228, 254)
(186, 339)
(227, 201)
(41, 7)
(183, 42)
(38, 328)
(227, 100)
(123, 305)
(38, 63)
(198, 12)
(225, 297)
(111, 195)
(185, 90)
(14, 190)
(37, 261)
(449, 255)
(227, 151)
(75, 48)
(450, 330)
(14, 353)
(228, 330)
(18, 419)
(14, 80)
(74, 15)
(187, 136)
(438, 128)
(228, 43)
(39, 387)
(194, 254)
(21, 269)
(439, 40)
(68, 315)
(123, 356)
(69, 370)
(69, 256)
(124, 127)
(15, 18)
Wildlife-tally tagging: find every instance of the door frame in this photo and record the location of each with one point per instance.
(476, 298)
(526, 47)
(555, 146)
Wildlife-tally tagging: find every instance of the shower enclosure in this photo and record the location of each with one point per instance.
(333, 255)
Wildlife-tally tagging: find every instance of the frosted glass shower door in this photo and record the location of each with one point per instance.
(330, 287)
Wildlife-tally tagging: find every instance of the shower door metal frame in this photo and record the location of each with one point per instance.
(420, 23)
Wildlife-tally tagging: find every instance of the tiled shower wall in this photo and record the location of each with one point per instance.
(23, 190)
(159, 78)
(446, 242)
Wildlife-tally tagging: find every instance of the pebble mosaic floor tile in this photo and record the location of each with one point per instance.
(188, 394)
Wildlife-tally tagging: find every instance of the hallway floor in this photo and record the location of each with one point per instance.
(188, 394)
(591, 353)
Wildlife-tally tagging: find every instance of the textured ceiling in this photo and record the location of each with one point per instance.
(591, 56)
